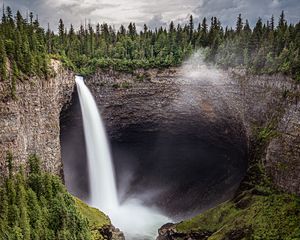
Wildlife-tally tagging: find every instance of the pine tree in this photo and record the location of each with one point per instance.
(3, 61)
(272, 26)
(22, 206)
(132, 30)
(191, 28)
(282, 21)
(61, 31)
(256, 36)
(203, 33)
(247, 28)
(239, 24)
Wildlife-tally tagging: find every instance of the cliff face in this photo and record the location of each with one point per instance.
(30, 124)
(270, 108)
(283, 153)
(171, 134)
(244, 104)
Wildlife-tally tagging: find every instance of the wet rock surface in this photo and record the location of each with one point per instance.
(109, 232)
(169, 232)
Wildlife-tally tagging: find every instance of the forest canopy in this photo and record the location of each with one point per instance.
(26, 47)
(37, 206)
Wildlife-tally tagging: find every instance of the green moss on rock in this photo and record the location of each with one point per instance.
(249, 216)
(96, 218)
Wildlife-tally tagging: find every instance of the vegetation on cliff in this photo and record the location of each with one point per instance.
(37, 206)
(98, 222)
(252, 215)
(267, 48)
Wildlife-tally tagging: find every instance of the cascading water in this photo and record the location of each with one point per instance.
(102, 181)
(134, 219)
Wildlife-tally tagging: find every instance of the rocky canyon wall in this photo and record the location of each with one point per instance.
(30, 123)
(241, 103)
(237, 104)
(270, 108)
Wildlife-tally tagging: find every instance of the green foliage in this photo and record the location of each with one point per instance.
(122, 85)
(265, 49)
(266, 133)
(250, 216)
(22, 49)
(3, 60)
(37, 206)
(97, 220)
(9, 162)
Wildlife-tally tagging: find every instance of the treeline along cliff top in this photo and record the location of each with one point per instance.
(26, 47)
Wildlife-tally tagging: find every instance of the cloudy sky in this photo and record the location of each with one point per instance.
(153, 12)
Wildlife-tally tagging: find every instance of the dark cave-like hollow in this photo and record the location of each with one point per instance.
(181, 169)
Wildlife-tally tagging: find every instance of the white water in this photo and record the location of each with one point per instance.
(102, 180)
(134, 219)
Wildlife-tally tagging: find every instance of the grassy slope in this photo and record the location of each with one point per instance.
(250, 216)
(96, 219)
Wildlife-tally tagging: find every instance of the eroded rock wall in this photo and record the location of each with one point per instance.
(283, 153)
(245, 103)
(30, 123)
(271, 103)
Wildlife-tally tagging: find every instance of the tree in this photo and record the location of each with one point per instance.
(61, 31)
(282, 21)
(272, 26)
(239, 24)
(256, 36)
(25, 215)
(3, 61)
(132, 30)
(22, 206)
(203, 34)
(34, 164)
(191, 28)
(9, 163)
(25, 47)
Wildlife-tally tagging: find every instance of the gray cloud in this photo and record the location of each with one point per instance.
(156, 21)
(228, 10)
(155, 12)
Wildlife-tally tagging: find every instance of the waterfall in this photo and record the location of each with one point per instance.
(137, 221)
(101, 171)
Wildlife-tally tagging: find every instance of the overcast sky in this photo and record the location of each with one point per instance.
(153, 12)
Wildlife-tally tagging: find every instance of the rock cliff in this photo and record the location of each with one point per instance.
(237, 104)
(245, 104)
(30, 123)
(171, 134)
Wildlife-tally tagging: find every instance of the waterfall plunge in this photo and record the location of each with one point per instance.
(134, 219)
(102, 180)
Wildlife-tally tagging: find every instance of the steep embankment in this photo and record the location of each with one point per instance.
(30, 123)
